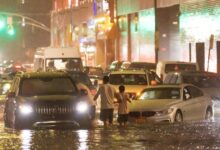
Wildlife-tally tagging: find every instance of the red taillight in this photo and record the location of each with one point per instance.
(93, 91)
(18, 67)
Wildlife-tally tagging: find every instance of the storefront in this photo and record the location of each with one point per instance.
(200, 31)
(137, 23)
(72, 24)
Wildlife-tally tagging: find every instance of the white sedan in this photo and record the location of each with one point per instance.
(172, 103)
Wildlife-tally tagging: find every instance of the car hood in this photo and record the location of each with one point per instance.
(152, 105)
(131, 88)
(48, 98)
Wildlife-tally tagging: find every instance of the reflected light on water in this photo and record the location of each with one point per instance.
(26, 137)
(83, 139)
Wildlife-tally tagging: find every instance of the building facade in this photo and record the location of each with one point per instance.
(72, 25)
(200, 33)
(84, 24)
(140, 30)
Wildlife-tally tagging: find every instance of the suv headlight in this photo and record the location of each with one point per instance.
(165, 112)
(82, 107)
(25, 109)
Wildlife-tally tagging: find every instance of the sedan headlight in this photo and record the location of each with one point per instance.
(82, 107)
(164, 112)
(25, 109)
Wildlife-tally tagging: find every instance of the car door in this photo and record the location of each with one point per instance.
(200, 101)
(187, 106)
(194, 103)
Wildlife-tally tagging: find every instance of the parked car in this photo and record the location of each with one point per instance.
(143, 65)
(46, 99)
(209, 82)
(164, 67)
(172, 103)
(133, 80)
(114, 66)
(95, 74)
(125, 65)
(11, 69)
(4, 88)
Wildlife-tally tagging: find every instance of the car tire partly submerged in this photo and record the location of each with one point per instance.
(178, 116)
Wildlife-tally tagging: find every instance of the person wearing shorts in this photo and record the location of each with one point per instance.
(107, 93)
(122, 99)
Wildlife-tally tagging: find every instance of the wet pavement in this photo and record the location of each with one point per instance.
(193, 135)
(140, 136)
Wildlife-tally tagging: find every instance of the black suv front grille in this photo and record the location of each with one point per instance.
(60, 109)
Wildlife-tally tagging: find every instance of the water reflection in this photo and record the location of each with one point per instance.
(83, 139)
(192, 135)
(26, 137)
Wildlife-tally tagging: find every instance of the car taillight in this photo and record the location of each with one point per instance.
(93, 91)
(18, 67)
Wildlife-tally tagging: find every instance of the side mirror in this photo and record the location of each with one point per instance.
(83, 92)
(11, 95)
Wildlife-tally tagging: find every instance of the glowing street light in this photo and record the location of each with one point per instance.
(11, 30)
(2, 23)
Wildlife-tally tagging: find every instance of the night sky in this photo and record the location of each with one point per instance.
(21, 46)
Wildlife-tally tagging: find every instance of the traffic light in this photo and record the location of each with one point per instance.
(10, 30)
(6, 26)
(2, 23)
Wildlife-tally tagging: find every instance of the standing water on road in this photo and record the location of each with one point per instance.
(193, 135)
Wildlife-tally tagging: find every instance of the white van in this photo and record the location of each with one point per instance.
(49, 58)
(164, 67)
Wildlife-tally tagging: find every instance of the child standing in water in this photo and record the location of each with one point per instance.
(123, 100)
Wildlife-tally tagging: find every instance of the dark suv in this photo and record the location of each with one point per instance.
(209, 82)
(46, 99)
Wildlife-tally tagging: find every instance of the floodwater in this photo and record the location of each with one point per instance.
(193, 135)
(140, 136)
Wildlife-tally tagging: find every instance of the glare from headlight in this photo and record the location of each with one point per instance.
(165, 112)
(82, 107)
(26, 109)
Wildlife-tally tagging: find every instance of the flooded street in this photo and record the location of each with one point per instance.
(193, 135)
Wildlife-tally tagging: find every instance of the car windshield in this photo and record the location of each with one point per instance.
(82, 78)
(142, 66)
(64, 64)
(128, 79)
(160, 93)
(180, 67)
(95, 71)
(47, 86)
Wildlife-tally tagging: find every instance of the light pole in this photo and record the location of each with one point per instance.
(32, 21)
(156, 35)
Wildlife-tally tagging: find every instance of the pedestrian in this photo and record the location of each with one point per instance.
(107, 93)
(122, 99)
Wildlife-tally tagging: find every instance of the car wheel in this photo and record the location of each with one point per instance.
(208, 115)
(178, 116)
